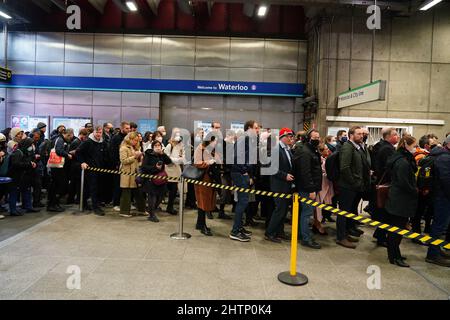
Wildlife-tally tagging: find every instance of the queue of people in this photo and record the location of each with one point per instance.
(404, 180)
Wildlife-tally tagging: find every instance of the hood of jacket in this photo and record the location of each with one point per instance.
(436, 151)
(92, 137)
(401, 153)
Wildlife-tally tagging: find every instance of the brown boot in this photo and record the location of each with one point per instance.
(347, 244)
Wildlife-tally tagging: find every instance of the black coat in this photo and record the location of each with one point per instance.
(308, 169)
(441, 182)
(20, 168)
(403, 195)
(245, 143)
(381, 155)
(114, 148)
(92, 152)
(151, 158)
(278, 181)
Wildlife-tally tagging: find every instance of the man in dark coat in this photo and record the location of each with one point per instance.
(22, 164)
(281, 182)
(91, 154)
(354, 180)
(308, 181)
(441, 186)
(385, 149)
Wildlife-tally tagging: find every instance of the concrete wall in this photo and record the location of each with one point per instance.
(129, 56)
(412, 54)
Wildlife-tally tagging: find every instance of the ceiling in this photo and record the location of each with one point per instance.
(285, 18)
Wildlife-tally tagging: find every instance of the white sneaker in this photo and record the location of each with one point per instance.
(125, 215)
(2, 217)
(133, 207)
(116, 208)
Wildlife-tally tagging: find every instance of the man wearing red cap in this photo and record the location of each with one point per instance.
(281, 182)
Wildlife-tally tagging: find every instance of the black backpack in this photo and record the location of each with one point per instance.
(332, 166)
(425, 173)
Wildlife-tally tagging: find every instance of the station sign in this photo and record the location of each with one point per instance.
(369, 92)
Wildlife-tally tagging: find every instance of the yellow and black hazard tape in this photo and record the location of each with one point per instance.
(367, 221)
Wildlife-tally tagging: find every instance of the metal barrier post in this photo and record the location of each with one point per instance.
(180, 235)
(82, 190)
(291, 277)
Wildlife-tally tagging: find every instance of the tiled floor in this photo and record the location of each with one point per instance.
(132, 258)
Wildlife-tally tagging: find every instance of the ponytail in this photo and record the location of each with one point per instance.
(406, 140)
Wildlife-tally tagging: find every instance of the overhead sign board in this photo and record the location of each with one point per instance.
(366, 93)
(157, 85)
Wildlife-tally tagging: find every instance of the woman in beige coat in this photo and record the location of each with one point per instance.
(130, 159)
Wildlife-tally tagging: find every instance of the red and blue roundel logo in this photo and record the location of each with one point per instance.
(253, 87)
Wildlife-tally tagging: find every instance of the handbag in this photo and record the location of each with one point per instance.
(192, 172)
(160, 182)
(54, 160)
(382, 189)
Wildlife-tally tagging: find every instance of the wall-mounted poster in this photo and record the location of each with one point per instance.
(237, 126)
(28, 123)
(75, 123)
(205, 125)
(145, 125)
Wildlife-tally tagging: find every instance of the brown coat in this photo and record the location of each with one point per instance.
(128, 164)
(206, 196)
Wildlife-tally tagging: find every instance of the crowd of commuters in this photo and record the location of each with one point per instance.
(404, 180)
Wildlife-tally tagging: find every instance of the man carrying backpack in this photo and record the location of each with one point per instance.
(441, 200)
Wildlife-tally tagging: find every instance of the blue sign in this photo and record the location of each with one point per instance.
(156, 85)
(145, 125)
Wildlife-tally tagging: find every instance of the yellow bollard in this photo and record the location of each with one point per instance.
(291, 277)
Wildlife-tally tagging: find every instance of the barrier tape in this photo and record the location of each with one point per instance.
(367, 221)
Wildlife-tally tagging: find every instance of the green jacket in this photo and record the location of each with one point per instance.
(354, 168)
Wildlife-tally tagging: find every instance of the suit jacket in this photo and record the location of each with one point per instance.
(278, 181)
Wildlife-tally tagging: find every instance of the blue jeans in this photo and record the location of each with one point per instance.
(440, 223)
(26, 199)
(305, 215)
(241, 181)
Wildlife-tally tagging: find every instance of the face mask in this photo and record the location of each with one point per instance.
(413, 150)
(178, 138)
(334, 143)
(344, 139)
(314, 143)
(30, 148)
(160, 139)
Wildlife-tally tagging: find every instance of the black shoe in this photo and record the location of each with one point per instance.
(311, 244)
(382, 243)
(172, 212)
(32, 210)
(206, 231)
(38, 205)
(354, 233)
(272, 239)
(153, 218)
(3, 209)
(54, 209)
(285, 236)
(439, 260)
(16, 214)
(246, 232)
(400, 263)
(99, 212)
(250, 223)
(224, 216)
(239, 236)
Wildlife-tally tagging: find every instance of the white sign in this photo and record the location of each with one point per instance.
(366, 93)
(236, 126)
(206, 126)
(75, 123)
